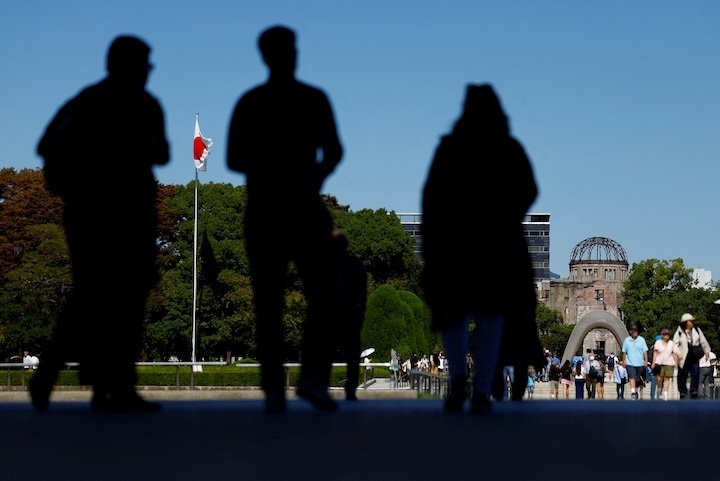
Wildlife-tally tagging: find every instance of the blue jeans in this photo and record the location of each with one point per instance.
(508, 372)
(692, 369)
(705, 381)
(653, 385)
(456, 338)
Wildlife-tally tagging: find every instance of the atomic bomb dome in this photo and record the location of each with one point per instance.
(591, 296)
(604, 249)
(598, 258)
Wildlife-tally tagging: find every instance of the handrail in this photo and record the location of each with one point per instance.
(178, 364)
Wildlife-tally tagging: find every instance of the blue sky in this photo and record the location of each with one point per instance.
(617, 103)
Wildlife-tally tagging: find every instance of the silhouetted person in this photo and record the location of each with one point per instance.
(479, 187)
(99, 151)
(282, 136)
(352, 282)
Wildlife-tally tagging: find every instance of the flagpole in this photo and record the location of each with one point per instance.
(200, 152)
(195, 241)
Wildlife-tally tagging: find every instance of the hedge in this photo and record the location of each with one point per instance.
(167, 376)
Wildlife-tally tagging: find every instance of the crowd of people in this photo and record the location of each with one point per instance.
(435, 363)
(686, 356)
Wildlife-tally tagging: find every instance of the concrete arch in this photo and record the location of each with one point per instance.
(590, 321)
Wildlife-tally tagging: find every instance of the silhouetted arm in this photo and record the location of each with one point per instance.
(238, 156)
(332, 150)
(158, 148)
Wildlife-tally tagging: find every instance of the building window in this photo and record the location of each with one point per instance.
(599, 294)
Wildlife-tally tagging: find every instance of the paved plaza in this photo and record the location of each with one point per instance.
(372, 439)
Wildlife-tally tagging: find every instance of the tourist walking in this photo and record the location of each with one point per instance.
(594, 371)
(635, 359)
(579, 377)
(600, 387)
(690, 346)
(620, 377)
(706, 376)
(530, 383)
(554, 377)
(664, 363)
(566, 372)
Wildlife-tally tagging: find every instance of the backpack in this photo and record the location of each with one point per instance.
(611, 362)
(593, 372)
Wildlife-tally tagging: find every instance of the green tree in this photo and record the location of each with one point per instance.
(546, 318)
(418, 323)
(385, 325)
(557, 338)
(650, 295)
(658, 292)
(24, 202)
(387, 250)
(34, 292)
(34, 263)
(36, 281)
(221, 314)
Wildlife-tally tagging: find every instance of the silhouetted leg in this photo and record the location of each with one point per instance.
(519, 385)
(54, 356)
(487, 355)
(269, 270)
(113, 318)
(455, 339)
(352, 357)
(316, 260)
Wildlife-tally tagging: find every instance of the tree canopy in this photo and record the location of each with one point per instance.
(658, 292)
(35, 278)
(35, 268)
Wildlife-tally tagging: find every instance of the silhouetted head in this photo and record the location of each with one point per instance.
(277, 46)
(482, 111)
(128, 61)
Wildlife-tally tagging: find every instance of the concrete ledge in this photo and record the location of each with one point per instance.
(201, 394)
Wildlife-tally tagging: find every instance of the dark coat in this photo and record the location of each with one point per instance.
(477, 193)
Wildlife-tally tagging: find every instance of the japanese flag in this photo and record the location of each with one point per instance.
(201, 147)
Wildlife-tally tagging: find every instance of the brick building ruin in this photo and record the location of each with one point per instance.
(590, 298)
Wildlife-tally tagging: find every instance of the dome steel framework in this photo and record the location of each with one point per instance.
(599, 249)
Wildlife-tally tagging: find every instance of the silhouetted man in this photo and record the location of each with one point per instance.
(98, 153)
(282, 136)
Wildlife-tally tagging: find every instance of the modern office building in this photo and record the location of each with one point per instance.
(537, 236)
(412, 223)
